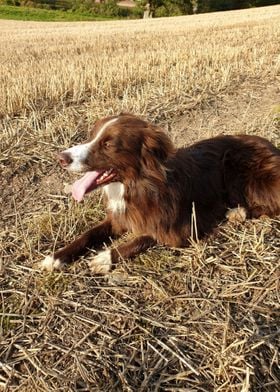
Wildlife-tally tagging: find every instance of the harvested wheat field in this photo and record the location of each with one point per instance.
(205, 318)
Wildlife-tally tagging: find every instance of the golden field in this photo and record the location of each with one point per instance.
(205, 318)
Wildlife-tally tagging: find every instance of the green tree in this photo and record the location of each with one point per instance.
(186, 6)
(262, 3)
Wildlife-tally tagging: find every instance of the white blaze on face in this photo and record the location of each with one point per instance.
(79, 153)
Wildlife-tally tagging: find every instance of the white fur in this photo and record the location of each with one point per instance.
(236, 215)
(50, 264)
(80, 152)
(102, 263)
(115, 193)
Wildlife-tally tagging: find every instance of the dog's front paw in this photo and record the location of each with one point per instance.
(102, 263)
(50, 264)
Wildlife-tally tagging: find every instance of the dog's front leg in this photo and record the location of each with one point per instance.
(103, 262)
(94, 237)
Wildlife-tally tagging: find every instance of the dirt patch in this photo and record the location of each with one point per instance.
(248, 109)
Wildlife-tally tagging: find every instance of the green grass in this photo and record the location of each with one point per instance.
(39, 14)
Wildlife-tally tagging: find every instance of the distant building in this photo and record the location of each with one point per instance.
(121, 3)
(126, 3)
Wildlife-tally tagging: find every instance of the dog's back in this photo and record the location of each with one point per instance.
(225, 172)
(252, 176)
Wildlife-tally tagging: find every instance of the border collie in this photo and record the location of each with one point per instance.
(162, 194)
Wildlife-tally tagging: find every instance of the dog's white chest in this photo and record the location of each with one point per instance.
(115, 194)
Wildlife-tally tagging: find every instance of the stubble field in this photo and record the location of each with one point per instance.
(205, 318)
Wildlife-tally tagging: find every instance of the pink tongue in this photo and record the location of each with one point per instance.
(85, 184)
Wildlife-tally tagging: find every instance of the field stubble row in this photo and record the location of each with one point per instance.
(134, 65)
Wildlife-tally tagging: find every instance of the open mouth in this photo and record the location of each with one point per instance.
(90, 181)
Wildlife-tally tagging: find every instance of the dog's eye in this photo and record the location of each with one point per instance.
(107, 143)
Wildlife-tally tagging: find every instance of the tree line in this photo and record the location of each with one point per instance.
(154, 7)
(184, 7)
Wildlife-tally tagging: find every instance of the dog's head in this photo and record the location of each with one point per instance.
(120, 148)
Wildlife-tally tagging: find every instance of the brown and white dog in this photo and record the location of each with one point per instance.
(153, 189)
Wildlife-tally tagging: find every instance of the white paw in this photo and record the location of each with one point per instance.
(236, 215)
(50, 264)
(102, 263)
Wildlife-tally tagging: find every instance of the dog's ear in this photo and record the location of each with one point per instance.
(157, 144)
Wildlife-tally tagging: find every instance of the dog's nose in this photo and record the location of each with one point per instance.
(64, 159)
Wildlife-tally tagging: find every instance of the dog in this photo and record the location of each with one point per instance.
(161, 194)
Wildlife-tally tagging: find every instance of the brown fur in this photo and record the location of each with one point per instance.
(164, 186)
